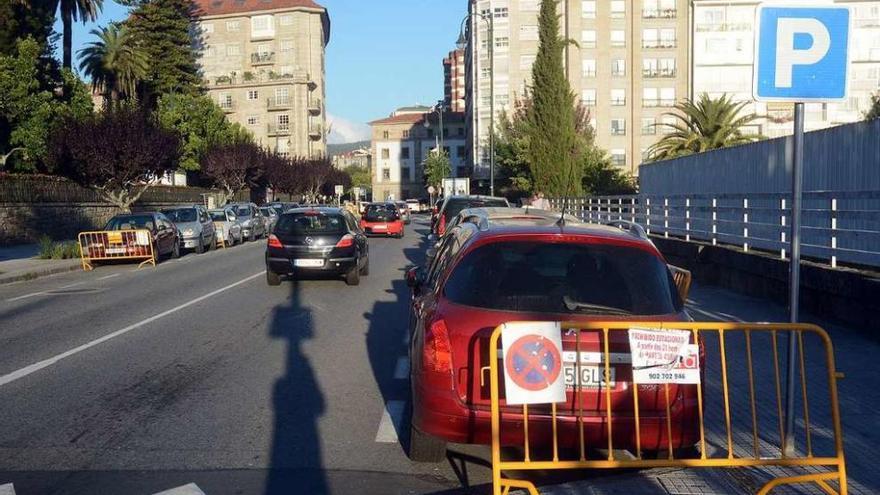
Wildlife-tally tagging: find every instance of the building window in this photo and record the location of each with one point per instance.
(528, 33)
(588, 38)
(285, 20)
(384, 134)
(233, 26)
(667, 97)
(404, 174)
(502, 99)
(283, 122)
(650, 97)
(618, 9)
(618, 67)
(588, 9)
(253, 94)
(618, 97)
(667, 38)
(233, 50)
(667, 9)
(668, 125)
(528, 5)
(405, 134)
(649, 126)
(461, 131)
(253, 120)
(649, 67)
(618, 127)
(526, 62)
(502, 42)
(649, 38)
(286, 45)
(210, 51)
(485, 72)
(460, 151)
(501, 12)
(224, 100)
(588, 97)
(386, 173)
(618, 37)
(404, 153)
(261, 26)
(386, 153)
(589, 67)
(207, 27)
(618, 157)
(461, 171)
(285, 70)
(666, 67)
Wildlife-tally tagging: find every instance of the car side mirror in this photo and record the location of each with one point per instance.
(162, 227)
(232, 218)
(415, 277)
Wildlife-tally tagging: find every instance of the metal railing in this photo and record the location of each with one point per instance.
(259, 58)
(837, 226)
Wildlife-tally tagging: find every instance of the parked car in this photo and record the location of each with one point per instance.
(196, 226)
(165, 237)
(282, 207)
(270, 215)
(382, 219)
(227, 225)
(452, 205)
(489, 272)
(414, 205)
(403, 208)
(311, 241)
(253, 223)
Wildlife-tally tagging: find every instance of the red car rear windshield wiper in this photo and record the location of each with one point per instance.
(573, 305)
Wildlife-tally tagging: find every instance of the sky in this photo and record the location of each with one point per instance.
(383, 54)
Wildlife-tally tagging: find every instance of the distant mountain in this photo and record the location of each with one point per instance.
(337, 149)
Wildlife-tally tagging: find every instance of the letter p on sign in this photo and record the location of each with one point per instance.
(801, 52)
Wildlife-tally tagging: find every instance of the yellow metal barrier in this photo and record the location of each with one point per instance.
(725, 348)
(116, 245)
(682, 280)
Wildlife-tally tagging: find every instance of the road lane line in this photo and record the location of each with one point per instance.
(109, 276)
(392, 417)
(33, 368)
(189, 489)
(717, 316)
(401, 371)
(42, 293)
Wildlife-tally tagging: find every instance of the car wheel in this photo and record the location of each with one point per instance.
(353, 277)
(252, 237)
(366, 269)
(425, 448)
(273, 278)
(156, 254)
(200, 247)
(213, 244)
(175, 250)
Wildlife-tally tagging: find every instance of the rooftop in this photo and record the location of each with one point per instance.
(226, 7)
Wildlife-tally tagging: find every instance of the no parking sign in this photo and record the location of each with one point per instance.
(532, 353)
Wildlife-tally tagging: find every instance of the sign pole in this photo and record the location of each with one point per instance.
(797, 187)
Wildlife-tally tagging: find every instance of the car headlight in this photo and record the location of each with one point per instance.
(246, 224)
(189, 232)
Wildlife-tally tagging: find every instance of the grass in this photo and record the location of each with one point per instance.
(52, 250)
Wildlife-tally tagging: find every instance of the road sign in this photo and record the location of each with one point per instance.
(339, 190)
(431, 190)
(533, 362)
(801, 52)
(664, 356)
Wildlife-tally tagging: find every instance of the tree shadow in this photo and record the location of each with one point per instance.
(295, 463)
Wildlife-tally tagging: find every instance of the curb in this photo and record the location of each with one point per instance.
(37, 273)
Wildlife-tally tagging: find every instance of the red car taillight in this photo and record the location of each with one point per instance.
(346, 241)
(437, 351)
(274, 242)
(441, 225)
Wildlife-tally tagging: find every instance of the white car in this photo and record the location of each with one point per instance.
(414, 205)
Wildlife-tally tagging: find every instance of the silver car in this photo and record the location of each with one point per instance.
(195, 226)
(227, 225)
(271, 217)
(253, 223)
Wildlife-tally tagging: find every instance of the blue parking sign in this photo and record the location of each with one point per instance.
(801, 52)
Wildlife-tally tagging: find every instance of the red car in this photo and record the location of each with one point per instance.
(382, 219)
(489, 272)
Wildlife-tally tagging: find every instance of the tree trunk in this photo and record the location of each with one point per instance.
(67, 42)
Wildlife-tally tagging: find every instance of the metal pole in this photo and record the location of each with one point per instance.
(441, 127)
(491, 106)
(797, 186)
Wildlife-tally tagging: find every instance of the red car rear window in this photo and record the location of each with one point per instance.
(572, 278)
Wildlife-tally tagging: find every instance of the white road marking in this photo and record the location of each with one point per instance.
(717, 316)
(392, 417)
(33, 368)
(42, 293)
(7, 489)
(401, 371)
(109, 276)
(71, 285)
(190, 489)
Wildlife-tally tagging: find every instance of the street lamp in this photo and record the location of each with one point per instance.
(462, 44)
(439, 108)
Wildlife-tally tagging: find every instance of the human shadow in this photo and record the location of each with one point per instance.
(297, 400)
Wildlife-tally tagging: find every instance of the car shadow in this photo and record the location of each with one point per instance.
(297, 402)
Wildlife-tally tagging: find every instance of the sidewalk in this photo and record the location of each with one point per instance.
(20, 263)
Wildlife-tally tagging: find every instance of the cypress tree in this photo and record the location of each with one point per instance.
(554, 150)
(162, 29)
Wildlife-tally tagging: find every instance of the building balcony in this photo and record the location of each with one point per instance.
(659, 44)
(279, 103)
(278, 129)
(315, 106)
(659, 13)
(260, 77)
(316, 131)
(263, 58)
(658, 73)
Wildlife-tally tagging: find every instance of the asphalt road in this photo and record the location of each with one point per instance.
(125, 381)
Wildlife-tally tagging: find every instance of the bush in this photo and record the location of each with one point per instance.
(51, 250)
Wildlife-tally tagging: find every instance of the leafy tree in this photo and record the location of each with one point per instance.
(280, 175)
(704, 125)
(335, 178)
(201, 125)
(437, 168)
(75, 10)
(360, 176)
(114, 63)
(162, 30)
(874, 111)
(119, 152)
(233, 167)
(314, 174)
(28, 111)
(553, 146)
(20, 19)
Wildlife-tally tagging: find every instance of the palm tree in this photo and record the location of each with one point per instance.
(705, 125)
(75, 10)
(114, 62)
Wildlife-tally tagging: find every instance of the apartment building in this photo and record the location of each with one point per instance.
(453, 80)
(401, 143)
(723, 55)
(263, 62)
(361, 157)
(629, 66)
